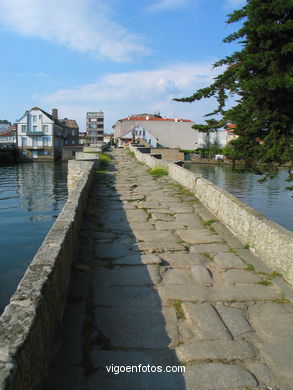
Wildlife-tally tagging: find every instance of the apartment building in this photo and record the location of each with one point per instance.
(94, 128)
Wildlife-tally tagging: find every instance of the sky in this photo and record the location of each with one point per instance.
(122, 57)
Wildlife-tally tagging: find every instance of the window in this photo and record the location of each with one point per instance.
(100, 119)
(23, 141)
(73, 132)
(73, 142)
(93, 126)
(93, 120)
(35, 128)
(45, 128)
(35, 141)
(23, 128)
(35, 118)
(45, 141)
(100, 126)
(40, 116)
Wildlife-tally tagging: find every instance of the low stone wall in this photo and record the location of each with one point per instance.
(30, 322)
(168, 154)
(269, 241)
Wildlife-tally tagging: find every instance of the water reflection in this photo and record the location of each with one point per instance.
(269, 198)
(31, 196)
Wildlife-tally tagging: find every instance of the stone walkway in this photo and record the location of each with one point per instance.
(159, 282)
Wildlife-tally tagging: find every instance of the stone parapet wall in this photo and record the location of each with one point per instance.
(29, 324)
(168, 154)
(272, 243)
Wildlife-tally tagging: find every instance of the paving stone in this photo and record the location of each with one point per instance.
(236, 276)
(208, 325)
(138, 259)
(229, 260)
(161, 211)
(201, 275)
(184, 209)
(215, 349)
(234, 319)
(127, 276)
(212, 249)
(186, 333)
(219, 293)
(150, 205)
(154, 236)
(189, 219)
(182, 260)
(126, 296)
(131, 197)
(112, 250)
(138, 327)
(271, 320)
(162, 217)
(265, 376)
(159, 247)
(217, 376)
(136, 216)
(177, 277)
(173, 225)
(278, 354)
(198, 236)
(141, 226)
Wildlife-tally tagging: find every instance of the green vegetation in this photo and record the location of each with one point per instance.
(246, 246)
(209, 222)
(250, 267)
(259, 77)
(265, 283)
(177, 304)
(104, 160)
(283, 299)
(131, 154)
(158, 172)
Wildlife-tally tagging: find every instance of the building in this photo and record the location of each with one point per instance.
(41, 136)
(231, 132)
(94, 128)
(8, 137)
(158, 131)
(4, 126)
(137, 134)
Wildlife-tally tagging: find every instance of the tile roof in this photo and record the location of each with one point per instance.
(144, 118)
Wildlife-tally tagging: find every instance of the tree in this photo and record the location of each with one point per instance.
(260, 77)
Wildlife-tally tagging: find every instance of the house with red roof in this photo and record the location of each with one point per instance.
(157, 131)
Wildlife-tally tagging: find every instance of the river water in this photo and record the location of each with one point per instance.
(269, 198)
(31, 197)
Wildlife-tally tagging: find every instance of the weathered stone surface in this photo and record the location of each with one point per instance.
(212, 249)
(201, 275)
(162, 217)
(236, 276)
(198, 236)
(216, 376)
(138, 327)
(136, 215)
(149, 205)
(141, 226)
(138, 259)
(155, 236)
(219, 293)
(182, 260)
(234, 320)
(215, 349)
(159, 247)
(278, 354)
(229, 260)
(112, 250)
(177, 277)
(127, 276)
(173, 225)
(271, 320)
(208, 324)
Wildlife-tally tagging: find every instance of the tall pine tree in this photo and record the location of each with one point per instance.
(261, 77)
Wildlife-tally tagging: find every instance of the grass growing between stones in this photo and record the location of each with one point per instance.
(104, 160)
(250, 267)
(283, 299)
(131, 154)
(158, 172)
(177, 304)
(207, 255)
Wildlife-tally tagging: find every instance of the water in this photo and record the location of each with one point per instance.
(31, 197)
(269, 198)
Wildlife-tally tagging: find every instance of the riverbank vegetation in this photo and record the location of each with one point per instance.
(260, 78)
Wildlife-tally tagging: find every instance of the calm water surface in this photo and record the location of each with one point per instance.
(269, 198)
(31, 197)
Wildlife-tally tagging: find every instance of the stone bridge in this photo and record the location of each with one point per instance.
(160, 284)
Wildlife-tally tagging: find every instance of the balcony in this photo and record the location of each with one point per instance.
(32, 133)
(34, 147)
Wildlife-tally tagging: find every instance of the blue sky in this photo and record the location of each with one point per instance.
(121, 57)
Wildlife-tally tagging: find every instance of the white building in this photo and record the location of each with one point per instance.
(41, 136)
(138, 133)
(171, 133)
(94, 127)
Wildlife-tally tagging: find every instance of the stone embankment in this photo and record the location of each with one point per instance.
(29, 323)
(159, 281)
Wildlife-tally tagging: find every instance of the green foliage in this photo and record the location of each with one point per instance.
(158, 172)
(260, 76)
(104, 160)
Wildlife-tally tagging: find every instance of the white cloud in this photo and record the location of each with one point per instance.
(234, 4)
(123, 94)
(81, 25)
(163, 5)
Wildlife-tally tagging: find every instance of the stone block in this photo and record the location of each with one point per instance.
(229, 260)
(236, 276)
(201, 275)
(234, 319)
(198, 236)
